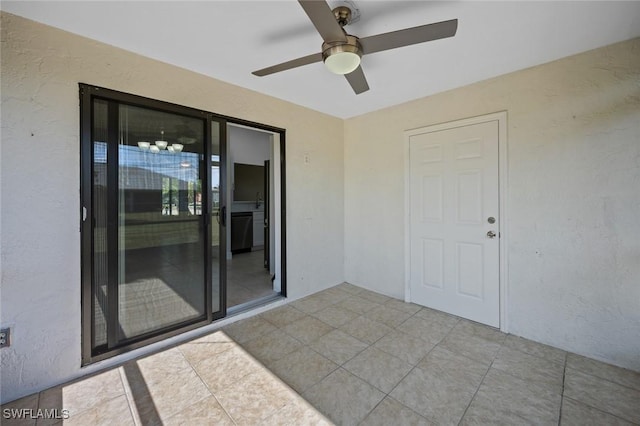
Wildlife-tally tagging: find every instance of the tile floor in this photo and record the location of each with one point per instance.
(247, 279)
(350, 356)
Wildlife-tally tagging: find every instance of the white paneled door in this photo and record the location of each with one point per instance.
(454, 208)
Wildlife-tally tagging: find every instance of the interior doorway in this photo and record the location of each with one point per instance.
(252, 252)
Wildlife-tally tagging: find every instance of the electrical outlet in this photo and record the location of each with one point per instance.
(5, 337)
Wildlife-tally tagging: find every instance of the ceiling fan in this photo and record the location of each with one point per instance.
(341, 52)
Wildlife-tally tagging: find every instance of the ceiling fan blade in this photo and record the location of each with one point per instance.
(357, 80)
(295, 63)
(323, 19)
(409, 36)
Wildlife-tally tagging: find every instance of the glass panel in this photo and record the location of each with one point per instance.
(100, 264)
(215, 216)
(160, 234)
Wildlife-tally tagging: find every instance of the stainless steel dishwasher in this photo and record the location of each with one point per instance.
(241, 232)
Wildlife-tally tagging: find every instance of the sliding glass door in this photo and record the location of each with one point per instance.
(152, 228)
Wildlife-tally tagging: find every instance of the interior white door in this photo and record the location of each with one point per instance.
(454, 207)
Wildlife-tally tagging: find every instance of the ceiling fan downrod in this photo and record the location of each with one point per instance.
(343, 15)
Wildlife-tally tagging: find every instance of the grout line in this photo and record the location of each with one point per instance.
(476, 392)
(564, 377)
(601, 411)
(603, 378)
(207, 386)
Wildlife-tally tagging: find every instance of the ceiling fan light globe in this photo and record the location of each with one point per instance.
(342, 62)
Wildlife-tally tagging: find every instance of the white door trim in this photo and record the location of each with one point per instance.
(501, 118)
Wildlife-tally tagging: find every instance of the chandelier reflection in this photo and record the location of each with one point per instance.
(160, 145)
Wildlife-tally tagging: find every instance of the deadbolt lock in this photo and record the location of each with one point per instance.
(491, 220)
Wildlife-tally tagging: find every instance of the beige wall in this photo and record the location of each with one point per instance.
(40, 242)
(573, 197)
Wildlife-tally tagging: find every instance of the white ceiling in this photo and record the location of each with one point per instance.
(229, 39)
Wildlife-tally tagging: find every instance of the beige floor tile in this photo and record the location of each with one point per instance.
(157, 367)
(217, 336)
(378, 368)
(530, 368)
(410, 308)
(622, 376)
(272, 346)
(307, 329)
(536, 349)
(296, 413)
(283, 316)
(387, 315)
(602, 394)
(474, 347)
(335, 293)
(163, 399)
(227, 368)
(113, 412)
(303, 368)
(205, 412)
(366, 330)
(335, 316)
(431, 364)
(357, 304)
(197, 352)
(575, 413)
(480, 330)
(314, 303)
(430, 331)
(83, 394)
(247, 329)
(505, 400)
(440, 398)
(255, 397)
(373, 296)
(391, 412)
(443, 318)
(338, 346)
(344, 398)
(349, 288)
(15, 416)
(446, 363)
(404, 346)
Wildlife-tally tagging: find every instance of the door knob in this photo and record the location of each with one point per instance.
(491, 234)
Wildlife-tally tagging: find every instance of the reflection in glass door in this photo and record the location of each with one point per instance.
(152, 187)
(161, 250)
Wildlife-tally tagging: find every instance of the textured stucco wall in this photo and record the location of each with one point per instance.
(40, 242)
(573, 197)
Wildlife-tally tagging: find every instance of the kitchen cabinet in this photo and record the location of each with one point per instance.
(258, 229)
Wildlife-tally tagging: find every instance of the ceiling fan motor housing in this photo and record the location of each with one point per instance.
(345, 55)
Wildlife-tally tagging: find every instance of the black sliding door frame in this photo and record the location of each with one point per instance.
(88, 93)
(115, 345)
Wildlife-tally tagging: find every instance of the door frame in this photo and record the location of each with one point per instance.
(86, 94)
(501, 118)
